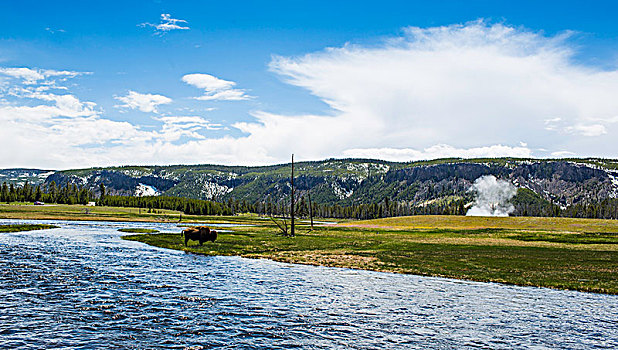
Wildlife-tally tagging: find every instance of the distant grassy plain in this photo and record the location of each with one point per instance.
(577, 254)
(28, 211)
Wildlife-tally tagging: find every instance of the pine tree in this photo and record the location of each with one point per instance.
(102, 195)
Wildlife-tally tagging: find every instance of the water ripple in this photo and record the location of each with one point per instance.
(81, 286)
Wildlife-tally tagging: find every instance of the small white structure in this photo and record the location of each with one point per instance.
(91, 204)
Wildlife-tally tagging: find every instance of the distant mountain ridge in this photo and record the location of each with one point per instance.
(18, 176)
(563, 182)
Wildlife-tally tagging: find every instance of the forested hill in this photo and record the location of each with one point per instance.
(346, 182)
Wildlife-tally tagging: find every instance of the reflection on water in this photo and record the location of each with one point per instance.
(82, 286)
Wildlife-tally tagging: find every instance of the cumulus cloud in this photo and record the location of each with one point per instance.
(438, 151)
(144, 102)
(167, 24)
(175, 127)
(473, 86)
(31, 76)
(59, 131)
(54, 132)
(215, 88)
(587, 130)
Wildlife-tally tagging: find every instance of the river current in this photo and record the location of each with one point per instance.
(81, 286)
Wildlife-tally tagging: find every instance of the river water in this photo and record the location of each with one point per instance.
(81, 286)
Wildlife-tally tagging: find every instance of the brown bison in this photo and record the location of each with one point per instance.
(199, 233)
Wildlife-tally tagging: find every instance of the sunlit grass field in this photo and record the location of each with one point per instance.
(103, 213)
(479, 222)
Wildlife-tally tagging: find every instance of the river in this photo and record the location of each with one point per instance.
(81, 286)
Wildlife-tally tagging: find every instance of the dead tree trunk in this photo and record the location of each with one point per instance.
(310, 210)
(292, 207)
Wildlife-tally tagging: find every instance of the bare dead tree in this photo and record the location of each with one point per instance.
(283, 226)
(292, 208)
(310, 210)
(282, 223)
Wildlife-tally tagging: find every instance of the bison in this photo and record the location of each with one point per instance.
(199, 233)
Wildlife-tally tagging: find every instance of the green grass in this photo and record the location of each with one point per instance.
(477, 222)
(27, 211)
(20, 228)
(138, 230)
(575, 238)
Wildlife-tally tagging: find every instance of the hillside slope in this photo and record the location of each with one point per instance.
(344, 182)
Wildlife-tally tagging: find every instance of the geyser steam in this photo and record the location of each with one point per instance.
(492, 197)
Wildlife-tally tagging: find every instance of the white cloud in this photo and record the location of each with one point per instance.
(587, 130)
(31, 76)
(167, 24)
(470, 86)
(61, 131)
(562, 154)
(54, 31)
(66, 132)
(144, 102)
(215, 88)
(438, 151)
(190, 126)
(226, 95)
(207, 82)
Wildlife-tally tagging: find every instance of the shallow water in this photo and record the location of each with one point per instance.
(81, 286)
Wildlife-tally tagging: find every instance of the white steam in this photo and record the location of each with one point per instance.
(492, 197)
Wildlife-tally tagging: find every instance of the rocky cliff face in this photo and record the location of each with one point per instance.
(354, 181)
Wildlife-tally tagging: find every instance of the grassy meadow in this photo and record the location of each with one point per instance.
(577, 254)
(28, 211)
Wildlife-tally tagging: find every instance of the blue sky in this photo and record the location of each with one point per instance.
(248, 82)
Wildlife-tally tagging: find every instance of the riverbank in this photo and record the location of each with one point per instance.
(27, 227)
(545, 254)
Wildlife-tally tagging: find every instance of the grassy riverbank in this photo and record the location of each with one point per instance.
(20, 228)
(550, 252)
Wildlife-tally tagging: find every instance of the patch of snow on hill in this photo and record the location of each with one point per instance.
(212, 190)
(135, 172)
(614, 178)
(340, 192)
(45, 175)
(143, 190)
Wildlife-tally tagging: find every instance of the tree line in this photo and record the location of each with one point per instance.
(73, 194)
(49, 193)
(186, 205)
(385, 208)
(605, 209)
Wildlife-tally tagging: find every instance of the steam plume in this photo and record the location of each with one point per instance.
(492, 197)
